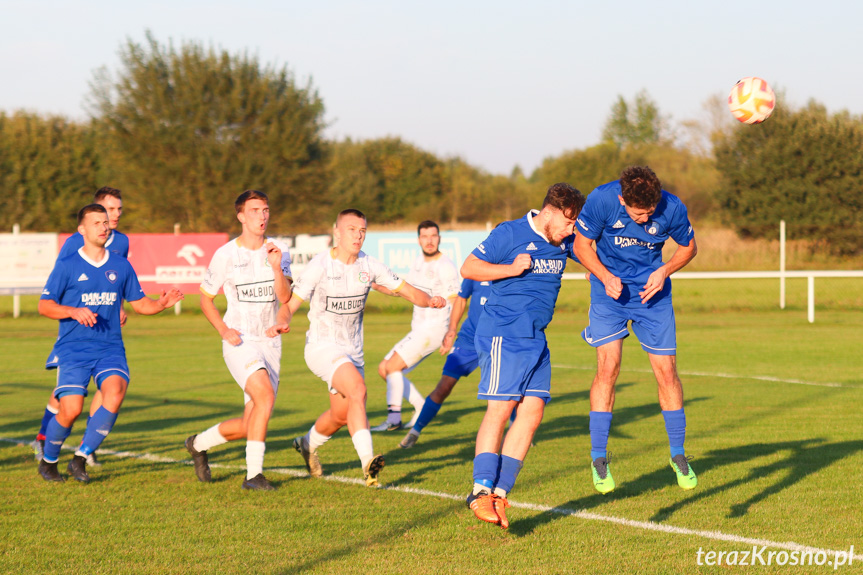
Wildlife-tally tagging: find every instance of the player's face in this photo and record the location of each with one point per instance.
(351, 233)
(558, 227)
(255, 216)
(638, 215)
(115, 210)
(95, 228)
(429, 241)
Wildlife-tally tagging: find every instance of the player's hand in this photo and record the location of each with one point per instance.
(84, 316)
(274, 255)
(437, 302)
(520, 263)
(123, 317)
(232, 336)
(277, 329)
(613, 287)
(170, 297)
(654, 284)
(447, 342)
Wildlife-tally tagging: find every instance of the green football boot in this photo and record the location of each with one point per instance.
(685, 474)
(602, 479)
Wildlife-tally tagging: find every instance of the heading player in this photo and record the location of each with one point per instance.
(462, 361)
(254, 273)
(336, 284)
(436, 275)
(524, 259)
(84, 292)
(630, 220)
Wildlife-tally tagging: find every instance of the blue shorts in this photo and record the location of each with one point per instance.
(513, 368)
(73, 376)
(653, 326)
(462, 361)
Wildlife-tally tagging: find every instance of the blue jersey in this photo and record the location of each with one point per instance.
(118, 243)
(77, 281)
(478, 293)
(522, 306)
(629, 250)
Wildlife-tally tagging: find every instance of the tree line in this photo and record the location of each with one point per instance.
(183, 129)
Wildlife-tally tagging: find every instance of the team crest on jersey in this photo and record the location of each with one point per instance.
(111, 275)
(651, 228)
(364, 277)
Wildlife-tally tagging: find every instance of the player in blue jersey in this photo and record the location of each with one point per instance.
(630, 220)
(524, 259)
(462, 361)
(84, 292)
(112, 200)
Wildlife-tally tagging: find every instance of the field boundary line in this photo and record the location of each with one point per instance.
(580, 514)
(722, 375)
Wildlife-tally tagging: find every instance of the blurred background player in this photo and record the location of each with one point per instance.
(630, 220)
(112, 200)
(436, 275)
(462, 361)
(524, 259)
(255, 275)
(336, 284)
(90, 342)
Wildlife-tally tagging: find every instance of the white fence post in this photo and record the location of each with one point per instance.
(781, 264)
(810, 296)
(16, 298)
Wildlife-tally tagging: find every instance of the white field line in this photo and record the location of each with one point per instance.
(646, 525)
(723, 375)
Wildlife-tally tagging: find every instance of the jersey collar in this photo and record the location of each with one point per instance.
(529, 217)
(91, 262)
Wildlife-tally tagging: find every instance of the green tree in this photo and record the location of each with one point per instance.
(636, 123)
(190, 128)
(805, 167)
(49, 169)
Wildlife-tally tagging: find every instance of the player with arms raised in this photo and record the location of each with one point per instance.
(336, 284)
(630, 220)
(84, 292)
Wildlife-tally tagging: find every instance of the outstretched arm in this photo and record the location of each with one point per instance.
(419, 297)
(149, 306)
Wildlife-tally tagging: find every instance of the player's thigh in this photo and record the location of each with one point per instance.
(260, 389)
(251, 356)
(656, 329)
(606, 323)
(324, 359)
(508, 367)
(413, 348)
(461, 362)
(73, 377)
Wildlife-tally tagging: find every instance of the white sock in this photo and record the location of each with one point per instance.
(499, 492)
(315, 439)
(254, 458)
(395, 389)
(363, 444)
(208, 439)
(413, 395)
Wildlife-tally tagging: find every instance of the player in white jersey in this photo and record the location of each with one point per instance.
(255, 274)
(435, 274)
(336, 284)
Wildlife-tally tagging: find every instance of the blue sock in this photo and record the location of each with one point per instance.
(600, 426)
(46, 417)
(98, 428)
(427, 413)
(55, 435)
(485, 469)
(675, 426)
(512, 415)
(509, 469)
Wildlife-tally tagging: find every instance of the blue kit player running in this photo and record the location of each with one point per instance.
(462, 361)
(84, 292)
(630, 220)
(112, 200)
(524, 259)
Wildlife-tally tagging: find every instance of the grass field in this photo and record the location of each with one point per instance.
(773, 410)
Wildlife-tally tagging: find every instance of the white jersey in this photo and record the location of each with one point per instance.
(248, 282)
(437, 277)
(337, 297)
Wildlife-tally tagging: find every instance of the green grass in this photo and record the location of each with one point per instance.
(776, 460)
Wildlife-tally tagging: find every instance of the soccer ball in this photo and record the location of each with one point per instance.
(751, 100)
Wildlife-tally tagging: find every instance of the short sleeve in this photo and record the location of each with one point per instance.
(215, 276)
(132, 290)
(495, 248)
(56, 284)
(449, 281)
(680, 229)
(308, 280)
(384, 276)
(590, 221)
(466, 288)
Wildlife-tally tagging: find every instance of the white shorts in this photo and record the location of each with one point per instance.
(416, 346)
(245, 359)
(325, 357)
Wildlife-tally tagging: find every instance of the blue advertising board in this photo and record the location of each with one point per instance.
(399, 249)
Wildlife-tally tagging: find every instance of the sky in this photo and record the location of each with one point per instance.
(500, 84)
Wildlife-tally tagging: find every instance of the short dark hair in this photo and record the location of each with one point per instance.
(104, 191)
(89, 209)
(240, 203)
(640, 188)
(565, 198)
(425, 224)
(351, 212)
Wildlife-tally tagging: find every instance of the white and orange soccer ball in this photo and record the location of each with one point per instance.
(751, 100)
